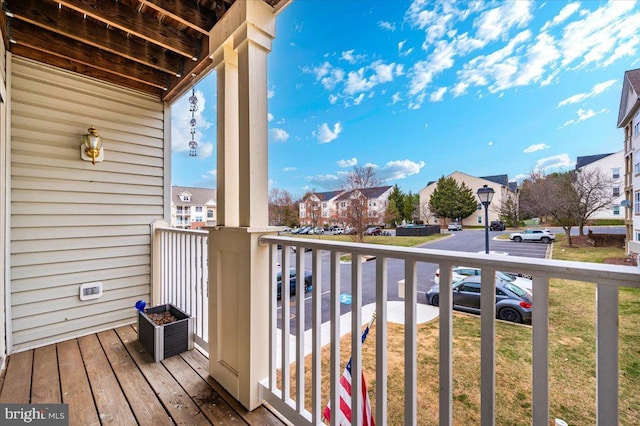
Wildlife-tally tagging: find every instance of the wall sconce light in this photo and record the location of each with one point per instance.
(91, 148)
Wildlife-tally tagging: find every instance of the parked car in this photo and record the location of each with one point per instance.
(497, 225)
(304, 230)
(541, 235)
(293, 282)
(374, 230)
(454, 226)
(337, 231)
(512, 302)
(460, 272)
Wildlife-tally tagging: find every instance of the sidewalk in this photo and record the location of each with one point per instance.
(395, 314)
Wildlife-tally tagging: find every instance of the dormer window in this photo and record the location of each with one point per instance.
(185, 197)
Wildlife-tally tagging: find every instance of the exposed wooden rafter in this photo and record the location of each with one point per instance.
(155, 46)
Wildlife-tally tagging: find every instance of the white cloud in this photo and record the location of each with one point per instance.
(595, 37)
(347, 163)
(181, 126)
(584, 114)
(333, 99)
(325, 134)
(596, 90)
(490, 143)
(398, 169)
(348, 56)
(438, 95)
(279, 135)
(358, 99)
(389, 26)
(562, 16)
(495, 24)
(366, 78)
(396, 98)
(289, 169)
(324, 181)
(326, 74)
(556, 162)
(210, 179)
(269, 117)
(535, 147)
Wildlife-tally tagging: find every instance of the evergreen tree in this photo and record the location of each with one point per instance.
(452, 200)
(394, 212)
(410, 208)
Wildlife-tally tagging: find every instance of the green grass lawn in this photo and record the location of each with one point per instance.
(392, 241)
(572, 353)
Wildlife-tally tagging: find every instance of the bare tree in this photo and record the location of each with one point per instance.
(282, 209)
(594, 189)
(535, 193)
(356, 213)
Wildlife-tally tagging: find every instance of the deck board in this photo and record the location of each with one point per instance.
(143, 401)
(19, 366)
(108, 378)
(74, 384)
(45, 386)
(110, 401)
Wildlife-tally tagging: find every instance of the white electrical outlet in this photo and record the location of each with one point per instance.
(90, 291)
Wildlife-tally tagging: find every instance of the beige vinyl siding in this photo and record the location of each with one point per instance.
(3, 196)
(73, 222)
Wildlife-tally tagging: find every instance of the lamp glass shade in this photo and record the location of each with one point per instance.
(485, 194)
(93, 144)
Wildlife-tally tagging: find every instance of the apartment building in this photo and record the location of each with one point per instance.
(610, 165)
(629, 121)
(192, 208)
(503, 189)
(319, 208)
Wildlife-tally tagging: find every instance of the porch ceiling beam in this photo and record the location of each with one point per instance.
(187, 12)
(71, 50)
(177, 85)
(135, 23)
(77, 67)
(65, 22)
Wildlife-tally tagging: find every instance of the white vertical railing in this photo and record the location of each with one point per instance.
(608, 279)
(180, 275)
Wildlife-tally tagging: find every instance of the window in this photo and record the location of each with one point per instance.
(637, 203)
(616, 191)
(636, 168)
(324, 205)
(343, 204)
(198, 218)
(198, 209)
(470, 287)
(616, 172)
(479, 219)
(479, 206)
(637, 236)
(616, 210)
(186, 197)
(209, 214)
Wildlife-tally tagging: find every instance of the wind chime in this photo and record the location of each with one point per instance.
(193, 145)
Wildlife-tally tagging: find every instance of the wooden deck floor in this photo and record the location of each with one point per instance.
(108, 378)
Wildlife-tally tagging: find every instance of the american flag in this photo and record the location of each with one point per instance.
(344, 413)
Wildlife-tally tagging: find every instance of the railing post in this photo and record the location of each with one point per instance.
(156, 261)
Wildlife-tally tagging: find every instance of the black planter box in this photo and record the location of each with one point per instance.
(167, 340)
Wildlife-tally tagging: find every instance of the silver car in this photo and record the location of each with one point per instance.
(512, 302)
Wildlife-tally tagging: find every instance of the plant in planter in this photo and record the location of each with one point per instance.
(164, 330)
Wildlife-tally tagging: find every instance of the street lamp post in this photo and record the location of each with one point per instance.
(485, 195)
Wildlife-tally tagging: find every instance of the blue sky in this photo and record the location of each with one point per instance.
(420, 89)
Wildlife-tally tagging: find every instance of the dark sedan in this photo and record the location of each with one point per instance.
(512, 302)
(293, 282)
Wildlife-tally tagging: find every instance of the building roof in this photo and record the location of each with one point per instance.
(199, 196)
(588, 159)
(499, 179)
(513, 186)
(325, 196)
(631, 80)
(369, 193)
